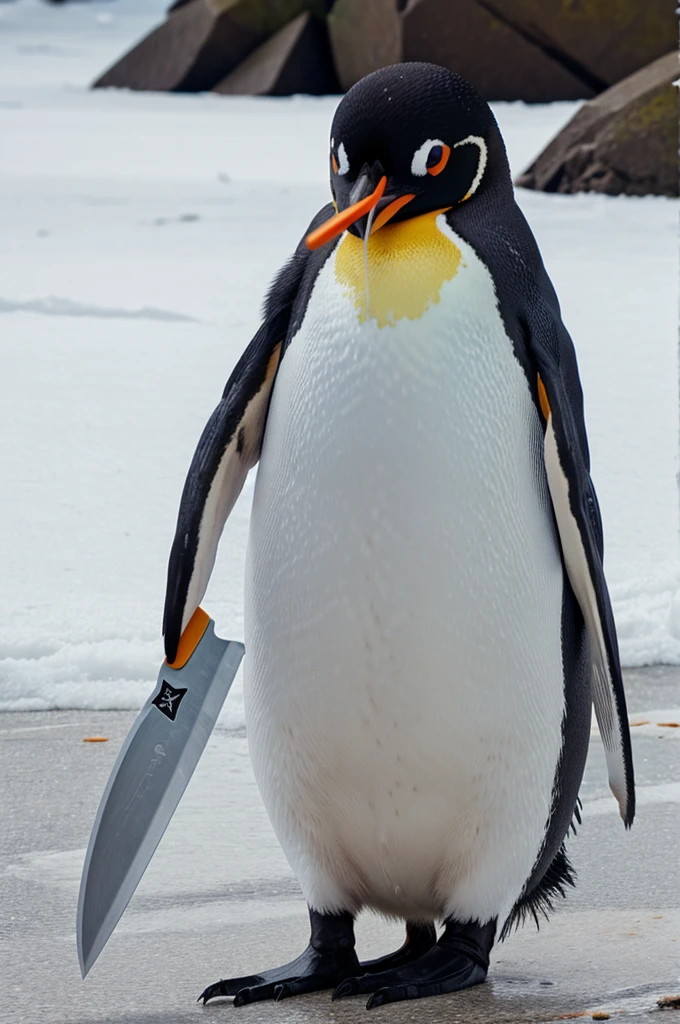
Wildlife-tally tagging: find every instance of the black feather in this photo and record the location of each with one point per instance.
(541, 900)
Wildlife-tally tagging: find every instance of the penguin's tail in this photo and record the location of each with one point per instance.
(540, 901)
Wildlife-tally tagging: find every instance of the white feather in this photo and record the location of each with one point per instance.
(478, 141)
(582, 585)
(343, 161)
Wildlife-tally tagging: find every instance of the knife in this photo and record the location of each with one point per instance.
(149, 777)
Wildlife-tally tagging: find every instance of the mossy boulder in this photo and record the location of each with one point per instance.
(600, 41)
(468, 37)
(200, 42)
(365, 35)
(296, 59)
(625, 141)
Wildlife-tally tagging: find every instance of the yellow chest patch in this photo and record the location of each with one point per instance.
(408, 263)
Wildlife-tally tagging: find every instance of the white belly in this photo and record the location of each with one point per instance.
(404, 691)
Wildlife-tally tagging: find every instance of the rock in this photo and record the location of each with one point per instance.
(600, 41)
(500, 62)
(459, 34)
(296, 59)
(365, 35)
(200, 43)
(669, 1003)
(623, 142)
(177, 4)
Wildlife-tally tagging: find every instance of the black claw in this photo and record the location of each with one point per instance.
(230, 987)
(242, 998)
(256, 993)
(397, 993)
(349, 987)
(212, 992)
(378, 998)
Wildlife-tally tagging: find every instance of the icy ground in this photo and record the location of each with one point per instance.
(139, 233)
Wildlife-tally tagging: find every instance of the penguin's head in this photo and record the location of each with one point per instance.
(406, 140)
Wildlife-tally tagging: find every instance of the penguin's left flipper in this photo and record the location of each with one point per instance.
(577, 515)
(229, 446)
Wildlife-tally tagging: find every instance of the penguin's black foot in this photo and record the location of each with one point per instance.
(459, 960)
(328, 960)
(419, 939)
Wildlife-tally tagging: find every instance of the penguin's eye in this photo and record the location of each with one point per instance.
(340, 164)
(430, 158)
(437, 159)
(434, 157)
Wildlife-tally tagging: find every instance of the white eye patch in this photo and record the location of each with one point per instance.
(343, 162)
(419, 162)
(476, 140)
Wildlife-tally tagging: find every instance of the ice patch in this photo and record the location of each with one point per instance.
(663, 724)
(110, 674)
(647, 613)
(58, 868)
(53, 306)
(208, 915)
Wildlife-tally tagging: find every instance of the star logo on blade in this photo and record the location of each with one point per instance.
(168, 700)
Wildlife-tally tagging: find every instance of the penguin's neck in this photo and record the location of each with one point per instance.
(408, 263)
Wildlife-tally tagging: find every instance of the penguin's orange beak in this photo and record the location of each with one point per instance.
(334, 226)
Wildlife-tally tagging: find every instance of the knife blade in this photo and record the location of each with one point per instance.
(152, 771)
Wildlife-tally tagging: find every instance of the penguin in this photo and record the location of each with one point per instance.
(427, 619)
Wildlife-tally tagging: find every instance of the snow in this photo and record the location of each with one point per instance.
(140, 232)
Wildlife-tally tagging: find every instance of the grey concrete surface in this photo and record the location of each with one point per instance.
(219, 898)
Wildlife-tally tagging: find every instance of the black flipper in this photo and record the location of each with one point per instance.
(577, 515)
(231, 443)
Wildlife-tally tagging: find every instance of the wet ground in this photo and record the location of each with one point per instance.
(218, 898)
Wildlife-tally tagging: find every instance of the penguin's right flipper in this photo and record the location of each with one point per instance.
(230, 445)
(577, 514)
